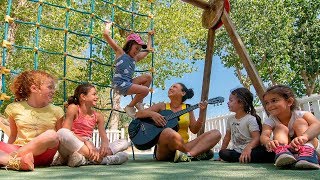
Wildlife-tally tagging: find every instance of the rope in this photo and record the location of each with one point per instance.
(90, 59)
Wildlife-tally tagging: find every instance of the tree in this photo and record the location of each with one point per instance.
(270, 32)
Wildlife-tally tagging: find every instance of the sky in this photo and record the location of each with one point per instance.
(222, 81)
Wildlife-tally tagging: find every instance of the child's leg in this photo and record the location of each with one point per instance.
(300, 126)
(283, 156)
(69, 143)
(140, 87)
(140, 93)
(4, 158)
(261, 155)
(203, 143)
(229, 155)
(40, 144)
(281, 134)
(307, 155)
(10, 160)
(144, 80)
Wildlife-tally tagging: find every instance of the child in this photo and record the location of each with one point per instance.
(75, 136)
(243, 129)
(33, 122)
(294, 131)
(126, 58)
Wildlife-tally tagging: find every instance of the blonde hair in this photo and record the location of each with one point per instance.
(22, 83)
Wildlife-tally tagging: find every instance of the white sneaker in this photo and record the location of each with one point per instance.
(76, 159)
(119, 158)
(140, 106)
(58, 160)
(119, 145)
(131, 111)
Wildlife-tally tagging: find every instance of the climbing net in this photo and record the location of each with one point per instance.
(64, 38)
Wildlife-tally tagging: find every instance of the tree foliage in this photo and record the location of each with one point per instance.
(282, 39)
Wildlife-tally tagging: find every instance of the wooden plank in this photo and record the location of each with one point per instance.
(199, 3)
(206, 75)
(243, 54)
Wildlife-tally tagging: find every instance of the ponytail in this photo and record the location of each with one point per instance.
(254, 113)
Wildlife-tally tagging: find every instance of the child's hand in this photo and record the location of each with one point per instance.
(107, 29)
(152, 32)
(271, 145)
(245, 156)
(105, 150)
(93, 151)
(298, 141)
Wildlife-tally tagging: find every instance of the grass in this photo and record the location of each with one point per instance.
(144, 167)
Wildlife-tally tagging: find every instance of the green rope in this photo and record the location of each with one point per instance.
(90, 59)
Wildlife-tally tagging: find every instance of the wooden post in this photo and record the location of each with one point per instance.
(243, 54)
(206, 75)
(199, 3)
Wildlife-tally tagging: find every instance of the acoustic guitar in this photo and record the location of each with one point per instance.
(144, 133)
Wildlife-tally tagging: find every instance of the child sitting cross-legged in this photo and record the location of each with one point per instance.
(76, 147)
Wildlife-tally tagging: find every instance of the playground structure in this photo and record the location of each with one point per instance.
(215, 13)
(93, 61)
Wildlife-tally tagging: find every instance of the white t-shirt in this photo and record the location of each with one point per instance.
(272, 121)
(240, 131)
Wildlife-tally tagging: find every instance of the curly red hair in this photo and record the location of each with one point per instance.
(22, 83)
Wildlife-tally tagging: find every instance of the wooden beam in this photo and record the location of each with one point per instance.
(199, 3)
(243, 54)
(206, 75)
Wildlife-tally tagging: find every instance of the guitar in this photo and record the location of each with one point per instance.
(144, 133)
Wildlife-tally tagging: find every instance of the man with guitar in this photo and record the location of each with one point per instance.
(172, 142)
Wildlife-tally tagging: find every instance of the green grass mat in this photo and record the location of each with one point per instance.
(144, 167)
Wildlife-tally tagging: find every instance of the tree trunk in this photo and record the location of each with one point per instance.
(114, 120)
(309, 82)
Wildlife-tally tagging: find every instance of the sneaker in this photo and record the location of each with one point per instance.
(58, 160)
(119, 145)
(118, 158)
(307, 158)
(25, 163)
(204, 156)
(181, 157)
(140, 106)
(76, 159)
(283, 156)
(131, 111)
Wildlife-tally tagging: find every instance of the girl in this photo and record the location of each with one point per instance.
(243, 129)
(33, 140)
(75, 136)
(126, 58)
(294, 131)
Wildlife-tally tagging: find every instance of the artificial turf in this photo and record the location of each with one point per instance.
(144, 167)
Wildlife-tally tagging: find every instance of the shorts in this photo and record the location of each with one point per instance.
(122, 87)
(44, 159)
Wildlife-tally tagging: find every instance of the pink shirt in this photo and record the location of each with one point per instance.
(83, 126)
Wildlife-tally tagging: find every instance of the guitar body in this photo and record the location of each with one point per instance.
(144, 133)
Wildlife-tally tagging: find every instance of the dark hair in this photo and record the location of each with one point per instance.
(246, 98)
(189, 92)
(81, 89)
(128, 45)
(284, 91)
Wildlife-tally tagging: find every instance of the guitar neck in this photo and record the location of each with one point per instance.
(179, 113)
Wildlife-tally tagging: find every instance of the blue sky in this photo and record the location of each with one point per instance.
(221, 82)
